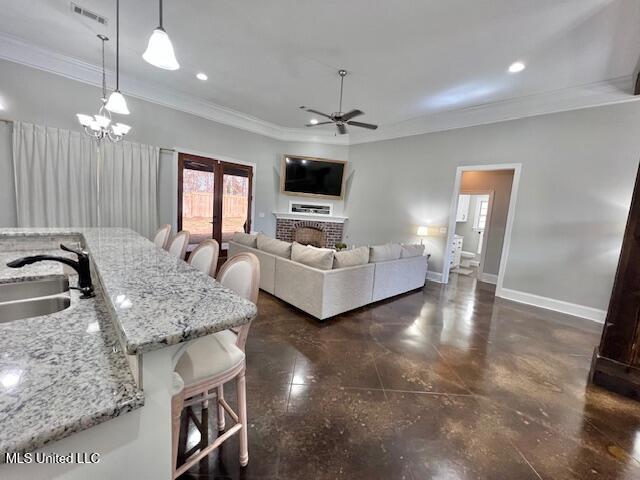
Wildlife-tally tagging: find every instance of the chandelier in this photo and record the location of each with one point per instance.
(100, 126)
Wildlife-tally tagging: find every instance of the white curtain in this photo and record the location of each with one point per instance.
(56, 180)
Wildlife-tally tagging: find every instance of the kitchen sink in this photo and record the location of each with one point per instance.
(42, 287)
(33, 298)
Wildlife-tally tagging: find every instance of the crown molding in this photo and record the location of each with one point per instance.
(19, 51)
(607, 92)
(617, 90)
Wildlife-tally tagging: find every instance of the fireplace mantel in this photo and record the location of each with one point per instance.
(310, 217)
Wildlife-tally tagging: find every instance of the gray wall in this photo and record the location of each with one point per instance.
(499, 182)
(578, 170)
(39, 97)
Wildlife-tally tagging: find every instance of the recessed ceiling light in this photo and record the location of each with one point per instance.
(202, 76)
(516, 67)
(313, 121)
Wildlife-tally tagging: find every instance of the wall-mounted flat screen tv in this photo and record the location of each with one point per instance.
(312, 176)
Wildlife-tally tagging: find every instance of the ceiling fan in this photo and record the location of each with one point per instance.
(340, 119)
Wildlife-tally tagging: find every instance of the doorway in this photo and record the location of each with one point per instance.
(480, 223)
(473, 220)
(214, 199)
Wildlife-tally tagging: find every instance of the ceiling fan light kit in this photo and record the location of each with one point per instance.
(340, 119)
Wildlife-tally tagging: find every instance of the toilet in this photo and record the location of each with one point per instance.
(465, 259)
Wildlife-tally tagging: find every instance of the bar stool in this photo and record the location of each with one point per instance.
(211, 361)
(162, 236)
(178, 245)
(205, 257)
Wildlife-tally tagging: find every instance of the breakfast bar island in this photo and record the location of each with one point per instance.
(86, 383)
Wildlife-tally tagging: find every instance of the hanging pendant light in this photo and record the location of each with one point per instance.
(160, 52)
(116, 102)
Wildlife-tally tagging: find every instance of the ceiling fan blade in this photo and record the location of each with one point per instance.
(341, 128)
(351, 114)
(311, 110)
(316, 124)
(363, 125)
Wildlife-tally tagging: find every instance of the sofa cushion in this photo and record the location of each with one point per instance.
(351, 258)
(382, 253)
(274, 246)
(320, 258)
(245, 239)
(414, 250)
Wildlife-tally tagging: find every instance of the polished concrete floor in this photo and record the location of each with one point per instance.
(444, 383)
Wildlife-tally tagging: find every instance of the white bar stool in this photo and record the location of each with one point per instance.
(178, 245)
(210, 362)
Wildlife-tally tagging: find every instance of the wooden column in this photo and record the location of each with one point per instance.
(616, 361)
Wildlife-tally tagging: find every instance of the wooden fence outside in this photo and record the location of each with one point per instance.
(200, 204)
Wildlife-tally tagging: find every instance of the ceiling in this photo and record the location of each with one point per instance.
(414, 65)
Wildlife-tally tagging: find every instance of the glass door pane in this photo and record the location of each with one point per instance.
(235, 204)
(198, 188)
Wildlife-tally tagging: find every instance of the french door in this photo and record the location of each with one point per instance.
(214, 198)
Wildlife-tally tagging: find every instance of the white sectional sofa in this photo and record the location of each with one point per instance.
(326, 293)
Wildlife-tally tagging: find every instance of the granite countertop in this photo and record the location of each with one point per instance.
(158, 300)
(60, 373)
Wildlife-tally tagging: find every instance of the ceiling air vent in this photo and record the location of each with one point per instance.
(75, 8)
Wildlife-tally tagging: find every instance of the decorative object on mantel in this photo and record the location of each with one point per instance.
(341, 246)
(159, 52)
(99, 126)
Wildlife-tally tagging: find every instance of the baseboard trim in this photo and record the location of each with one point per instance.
(488, 278)
(434, 277)
(593, 314)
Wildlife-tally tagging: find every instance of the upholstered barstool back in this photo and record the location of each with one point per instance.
(241, 273)
(161, 240)
(178, 245)
(205, 257)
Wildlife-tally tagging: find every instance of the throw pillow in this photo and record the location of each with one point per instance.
(382, 253)
(415, 250)
(245, 239)
(351, 258)
(320, 258)
(274, 246)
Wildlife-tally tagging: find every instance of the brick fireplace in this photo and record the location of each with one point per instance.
(318, 233)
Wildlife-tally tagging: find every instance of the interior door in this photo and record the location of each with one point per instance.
(214, 198)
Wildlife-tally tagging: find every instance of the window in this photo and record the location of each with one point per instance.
(482, 209)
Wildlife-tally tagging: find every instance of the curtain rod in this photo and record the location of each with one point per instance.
(6, 120)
